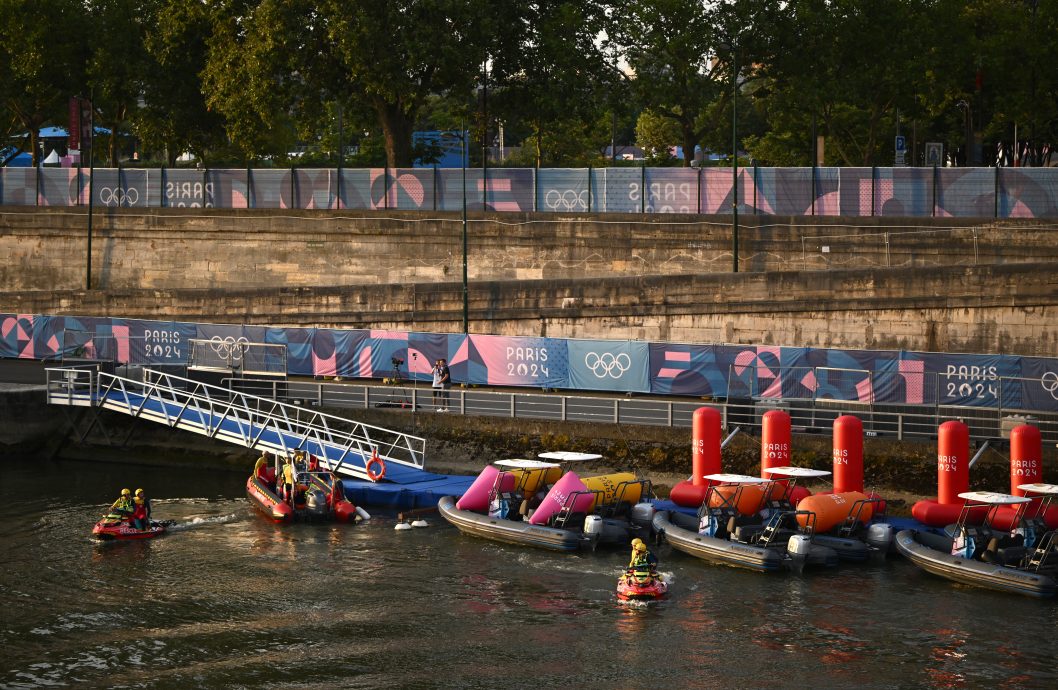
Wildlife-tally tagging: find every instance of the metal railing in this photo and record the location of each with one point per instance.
(236, 417)
(896, 421)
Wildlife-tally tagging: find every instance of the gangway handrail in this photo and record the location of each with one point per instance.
(206, 408)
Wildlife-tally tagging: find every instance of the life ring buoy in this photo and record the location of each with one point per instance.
(375, 460)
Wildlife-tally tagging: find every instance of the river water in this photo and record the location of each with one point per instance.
(230, 600)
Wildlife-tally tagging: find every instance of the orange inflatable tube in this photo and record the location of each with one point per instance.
(832, 509)
(748, 501)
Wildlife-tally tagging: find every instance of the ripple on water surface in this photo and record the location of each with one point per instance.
(229, 599)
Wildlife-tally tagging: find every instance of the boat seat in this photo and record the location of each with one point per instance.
(750, 534)
(1012, 555)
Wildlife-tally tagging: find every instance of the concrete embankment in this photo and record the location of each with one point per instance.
(463, 445)
(938, 285)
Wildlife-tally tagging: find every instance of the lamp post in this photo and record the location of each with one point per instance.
(91, 181)
(463, 163)
(734, 159)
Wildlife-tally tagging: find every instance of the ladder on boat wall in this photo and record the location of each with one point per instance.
(342, 445)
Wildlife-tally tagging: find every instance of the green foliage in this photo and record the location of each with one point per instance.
(656, 135)
(251, 81)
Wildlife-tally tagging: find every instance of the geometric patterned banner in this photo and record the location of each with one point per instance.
(721, 371)
(923, 192)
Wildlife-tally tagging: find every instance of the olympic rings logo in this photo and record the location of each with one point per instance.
(568, 200)
(607, 363)
(1049, 381)
(116, 196)
(229, 347)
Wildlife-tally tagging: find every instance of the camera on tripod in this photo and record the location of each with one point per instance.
(397, 361)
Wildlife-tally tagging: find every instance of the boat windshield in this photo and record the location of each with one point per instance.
(993, 498)
(800, 472)
(520, 464)
(569, 456)
(724, 478)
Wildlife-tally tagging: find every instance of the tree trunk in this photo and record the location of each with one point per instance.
(689, 142)
(396, 128)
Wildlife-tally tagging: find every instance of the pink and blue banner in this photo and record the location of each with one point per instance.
(923, 192)
(718, 371)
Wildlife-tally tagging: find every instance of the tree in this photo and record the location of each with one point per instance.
(850, 64)
(551, 74)
(42, 62)
(175, 117)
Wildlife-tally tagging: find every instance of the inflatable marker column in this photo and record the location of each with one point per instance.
(953, 477)
(705, 439)
(953, 462)
(705, 458)
(848, 454)
(1026, 458)
(775, 441)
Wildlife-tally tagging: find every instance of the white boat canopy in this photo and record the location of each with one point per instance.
(804, 472)
(734, 478)
(569, 456)
(522, 464)
(1051, 489)
(994, 498)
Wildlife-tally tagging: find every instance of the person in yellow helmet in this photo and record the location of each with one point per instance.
(643, 566)
(122, 508)
(289, 475)
(146, 502)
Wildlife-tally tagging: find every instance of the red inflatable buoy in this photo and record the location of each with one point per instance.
(848, 454)
(953, 478)
(774, 441)
(705, 458)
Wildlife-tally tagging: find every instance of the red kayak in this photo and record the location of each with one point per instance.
(123, 529)
(631, 588)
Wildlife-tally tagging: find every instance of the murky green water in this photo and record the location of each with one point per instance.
(231, 600)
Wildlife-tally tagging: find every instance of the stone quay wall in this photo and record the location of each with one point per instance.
(922, 284)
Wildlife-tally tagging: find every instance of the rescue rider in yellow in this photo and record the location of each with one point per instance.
(644, 565)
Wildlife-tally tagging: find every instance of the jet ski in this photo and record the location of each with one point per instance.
(632, 588)
(109, 528)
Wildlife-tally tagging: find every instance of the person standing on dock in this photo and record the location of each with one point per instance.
(437, 387)
(446, 383)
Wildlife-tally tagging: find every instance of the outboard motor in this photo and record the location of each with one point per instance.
(642, 514)
(316, 502)
(593, 526)
(799, 547)
(880, 535)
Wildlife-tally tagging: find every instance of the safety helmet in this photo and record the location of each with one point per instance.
(641, 547)
(126, 492)
(636, 542)
(139, 492)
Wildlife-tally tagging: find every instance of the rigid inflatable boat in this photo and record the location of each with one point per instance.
(729, 529)
(123, 529)
(840, 521)
(507, 503)
(1022, 561)
(317, 495)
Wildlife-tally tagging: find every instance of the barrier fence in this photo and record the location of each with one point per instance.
(942, 192)
(719, 371)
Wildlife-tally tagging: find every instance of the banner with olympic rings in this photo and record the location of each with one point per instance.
(609, 365)
(1010, 382)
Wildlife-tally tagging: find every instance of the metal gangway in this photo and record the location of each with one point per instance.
(342, 445)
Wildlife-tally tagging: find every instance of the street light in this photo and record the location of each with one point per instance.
(734, 158)
(968, 158)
